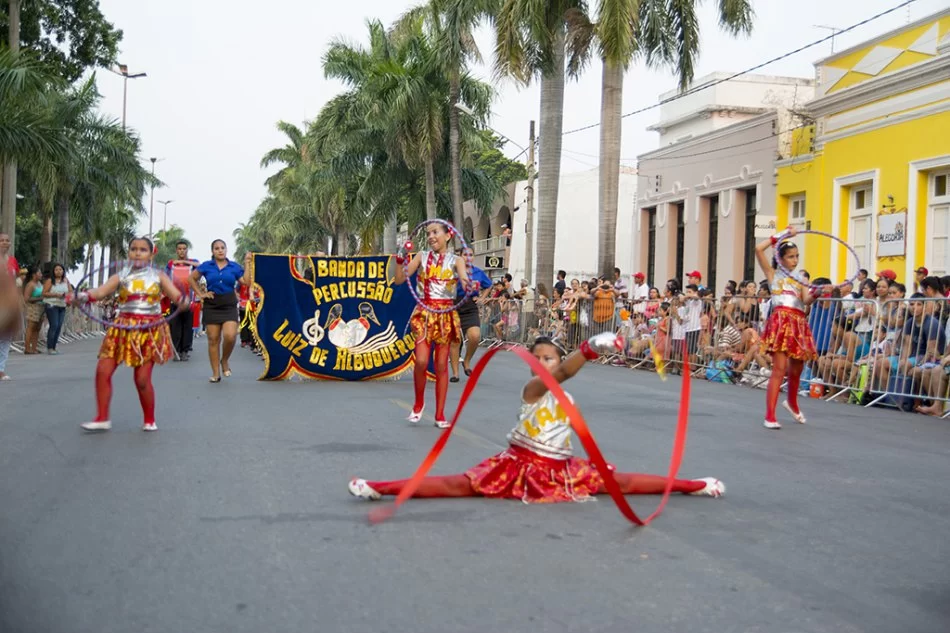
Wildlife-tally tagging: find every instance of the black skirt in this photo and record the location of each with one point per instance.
(468, 315)
(219, 309)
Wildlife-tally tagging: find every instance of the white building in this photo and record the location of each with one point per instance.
(577, 228)
(711, 182)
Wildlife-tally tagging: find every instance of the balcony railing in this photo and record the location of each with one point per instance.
(490, 245)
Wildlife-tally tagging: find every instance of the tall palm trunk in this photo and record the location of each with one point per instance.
(46, 235)
(549, 160)
(611, 102)
(389, 236)
(341, 242)
(62, 231)
(431, 209)
(102, 265)
(8, 189)
(455, 165)
(90, 257)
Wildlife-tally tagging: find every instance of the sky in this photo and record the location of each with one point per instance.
(221, 74)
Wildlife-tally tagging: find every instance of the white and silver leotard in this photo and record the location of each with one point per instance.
(140, 291)
(441, 279)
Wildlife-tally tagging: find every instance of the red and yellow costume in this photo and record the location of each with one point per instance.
(139, 303)
(538, 467)
(787, 329)
(789, 340)
(437, 284)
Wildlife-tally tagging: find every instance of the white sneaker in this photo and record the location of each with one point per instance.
(150, 426)
(714, 488)
(799, 417)
(442, 424)
(359, 488)
(96, 426)
(414, 417)
(771, 425)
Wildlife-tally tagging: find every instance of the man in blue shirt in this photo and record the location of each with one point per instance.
(471, 326)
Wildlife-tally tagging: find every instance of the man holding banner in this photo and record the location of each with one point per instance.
(471, 325)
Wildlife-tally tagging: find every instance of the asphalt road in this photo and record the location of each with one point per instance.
(234, 517)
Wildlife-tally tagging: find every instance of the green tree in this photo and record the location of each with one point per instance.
(450, 26)
(662, 33)
(166, 241)
(69, 36)
(531, 40)
(496, 166)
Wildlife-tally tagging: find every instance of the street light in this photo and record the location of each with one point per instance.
(165, 215)
(124, 72)
(151, 203)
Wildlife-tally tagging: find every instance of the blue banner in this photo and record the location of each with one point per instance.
(336, 318)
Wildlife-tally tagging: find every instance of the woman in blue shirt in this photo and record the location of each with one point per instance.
(219, 305)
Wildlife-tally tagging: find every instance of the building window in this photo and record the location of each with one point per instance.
(713, 250)
(651, 246)
(796, 208)
(796, 218)
(751, 209)
(860, 214)
(939, 184)
(680, 239)
(939, 221)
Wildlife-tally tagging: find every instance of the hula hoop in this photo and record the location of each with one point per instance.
(466, 253)
(800, 280)
(84, 305)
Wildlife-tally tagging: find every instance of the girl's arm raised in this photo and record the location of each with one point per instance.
(103, 291)
(603, 343)
(410, 269)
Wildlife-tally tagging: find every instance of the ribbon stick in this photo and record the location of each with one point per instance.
(580, 427)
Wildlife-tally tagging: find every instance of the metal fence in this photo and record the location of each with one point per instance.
(871, 353)
(76, 326)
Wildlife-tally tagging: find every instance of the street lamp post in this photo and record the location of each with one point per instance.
(124, 71)
(165, 215)
(151, 203)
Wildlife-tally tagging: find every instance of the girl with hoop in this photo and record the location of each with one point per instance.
(434, 322)
(139, 337)
(787, 336)
(539, 464)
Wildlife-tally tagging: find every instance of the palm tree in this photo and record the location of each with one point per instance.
(663, 33)
(450, 26)
(530, 42)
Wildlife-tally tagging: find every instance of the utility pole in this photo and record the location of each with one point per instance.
(151, 203)
(8, 190)
(529, 224)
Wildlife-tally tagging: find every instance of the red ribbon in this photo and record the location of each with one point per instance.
(580, 427)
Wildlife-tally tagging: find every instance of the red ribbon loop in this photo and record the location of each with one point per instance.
(580, 427)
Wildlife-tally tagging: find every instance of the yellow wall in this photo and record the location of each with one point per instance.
(889, 150)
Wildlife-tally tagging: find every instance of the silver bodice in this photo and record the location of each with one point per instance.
(786, 292)
(543, 428)
(441, 279)
(140, 291)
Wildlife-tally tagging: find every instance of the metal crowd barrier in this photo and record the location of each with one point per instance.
(76, 326)
(869, 354)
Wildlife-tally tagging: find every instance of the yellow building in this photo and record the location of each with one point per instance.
(874, 167)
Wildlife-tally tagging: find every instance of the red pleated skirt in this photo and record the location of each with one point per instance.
(518, 473)
(787, 331)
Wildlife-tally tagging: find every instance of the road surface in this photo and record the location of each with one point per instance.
(235, 517)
